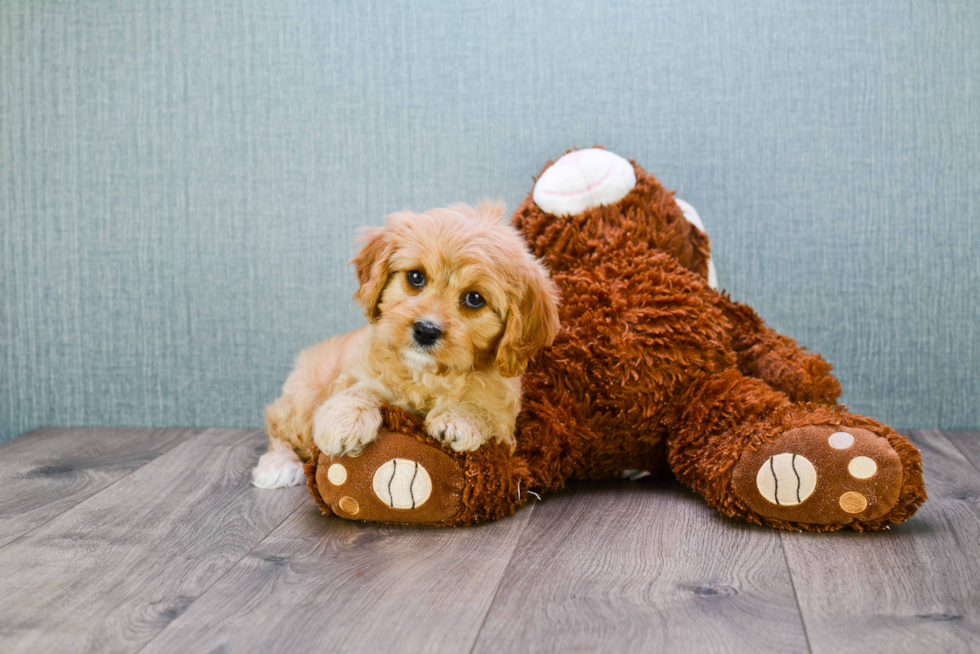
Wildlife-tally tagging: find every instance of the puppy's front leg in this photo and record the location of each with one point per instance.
(347, 421)
(457, 426)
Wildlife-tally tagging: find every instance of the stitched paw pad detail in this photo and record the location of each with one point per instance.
(786, 479)
(402, 484)
(396, 478)
(820, 474)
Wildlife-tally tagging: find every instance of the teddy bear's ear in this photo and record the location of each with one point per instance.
(531, 323)
(371, 266)
(582, 179)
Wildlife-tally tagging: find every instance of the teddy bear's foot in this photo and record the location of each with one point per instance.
(821, 475)
(396, 478)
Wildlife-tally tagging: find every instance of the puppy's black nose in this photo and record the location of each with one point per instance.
(426, 333)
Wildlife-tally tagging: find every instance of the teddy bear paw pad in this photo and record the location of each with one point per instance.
(402, 484)
(396, 478)
(820, 474)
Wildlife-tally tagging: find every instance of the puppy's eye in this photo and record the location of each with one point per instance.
(473, 300)
(415, 278)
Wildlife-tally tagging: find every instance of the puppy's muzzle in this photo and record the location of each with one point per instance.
(426, 333)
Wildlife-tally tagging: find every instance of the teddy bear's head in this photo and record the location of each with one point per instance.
(594, 195)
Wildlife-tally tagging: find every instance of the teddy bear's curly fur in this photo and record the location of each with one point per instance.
(652, 369)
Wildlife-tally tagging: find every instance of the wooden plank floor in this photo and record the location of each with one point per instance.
(146, 540)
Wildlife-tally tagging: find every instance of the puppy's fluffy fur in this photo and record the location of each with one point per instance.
(467, 383)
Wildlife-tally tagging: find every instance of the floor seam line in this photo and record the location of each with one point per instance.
(222, 576)
(796, 597)
(952, 441)
(500, 582)
(103, 489)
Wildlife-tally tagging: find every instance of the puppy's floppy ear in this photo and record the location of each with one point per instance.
(532, 320)
(371, 265)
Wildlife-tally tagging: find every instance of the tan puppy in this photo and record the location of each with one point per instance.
(456, 308)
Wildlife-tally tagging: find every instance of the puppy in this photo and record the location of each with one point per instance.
(456, 307)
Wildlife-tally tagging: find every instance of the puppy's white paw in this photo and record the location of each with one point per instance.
(278, 468)
(344, 424)
(456, 429)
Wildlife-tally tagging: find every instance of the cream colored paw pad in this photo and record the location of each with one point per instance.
(862, 467)
(337, 474)
(402, 484)
(852, 502)
(840, 440)
(786, 479)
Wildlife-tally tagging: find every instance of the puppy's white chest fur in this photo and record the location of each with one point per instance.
(462, 408)
(413, 381)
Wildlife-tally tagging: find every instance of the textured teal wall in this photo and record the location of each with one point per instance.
(180, 181)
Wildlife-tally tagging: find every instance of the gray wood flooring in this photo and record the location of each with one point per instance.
(153, 540)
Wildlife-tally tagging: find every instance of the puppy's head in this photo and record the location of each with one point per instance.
(456, 290)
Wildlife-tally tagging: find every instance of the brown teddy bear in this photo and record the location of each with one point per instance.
(652, 368)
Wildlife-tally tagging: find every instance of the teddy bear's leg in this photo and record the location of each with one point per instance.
(777, 360)
(403, 476)
(754, 454)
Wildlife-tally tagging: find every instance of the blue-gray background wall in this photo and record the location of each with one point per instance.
(180, 181)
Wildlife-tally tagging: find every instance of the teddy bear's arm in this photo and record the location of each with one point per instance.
(777, 359)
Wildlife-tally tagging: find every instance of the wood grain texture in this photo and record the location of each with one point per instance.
(110, 573)
(644, 567)
(48, 471)
(325, 584)
(183, 555)
(914, 588)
